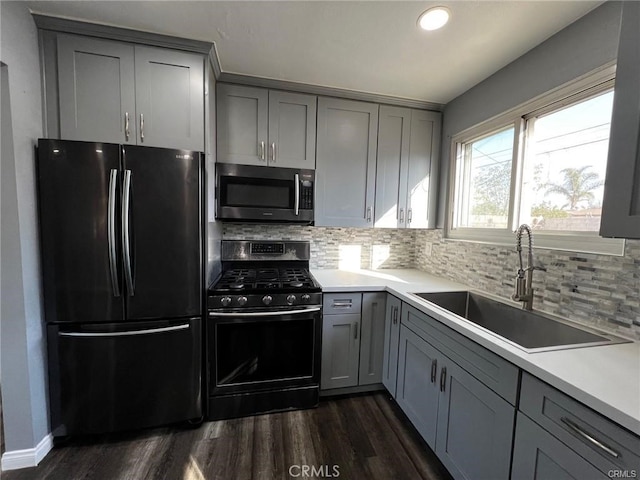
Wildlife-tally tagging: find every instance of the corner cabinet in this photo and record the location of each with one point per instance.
(408, 146)
(459, 396)
(346, 163)
(257, 126)
(117, 92)
(391, 344)
(621, 203)
(352, 340)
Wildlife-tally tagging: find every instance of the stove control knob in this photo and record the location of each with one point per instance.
(242, 301)
(291, 299)
(306, 297)
(225, 301)
(267, 299)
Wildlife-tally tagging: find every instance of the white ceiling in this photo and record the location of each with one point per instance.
(369, 46)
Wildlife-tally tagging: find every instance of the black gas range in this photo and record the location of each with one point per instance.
(264, 330)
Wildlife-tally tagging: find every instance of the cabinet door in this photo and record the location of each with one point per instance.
(394, 129)
(621, 202)
(418, 184)
(391, 344)
(242, 124)
(96, 89)
(417, 392)
(538, 455)
(346, 163)
(340, 351)
(292, 130)
(372, 338)
(169, 98)
(475, 426)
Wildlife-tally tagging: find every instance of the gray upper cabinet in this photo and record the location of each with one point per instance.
(96, 81)
(372, 338)
(169, 98)
(621, 203)
(346, 163)
(391, 344)
(118, 92)
(408, 145)
(266, 127)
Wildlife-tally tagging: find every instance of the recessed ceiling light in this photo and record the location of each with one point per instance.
(434, 18)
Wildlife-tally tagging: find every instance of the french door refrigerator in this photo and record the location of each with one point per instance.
(121, 230)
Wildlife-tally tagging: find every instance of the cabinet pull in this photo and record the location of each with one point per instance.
(402, 215)
(355, 330)
(395, 315)
(142, 127)
(409, 215)
(127, 132)
(273, 152)
(369, 214)
(343, 304)
(443, 379)
(434, 368)
(594, 441)
(262, 151)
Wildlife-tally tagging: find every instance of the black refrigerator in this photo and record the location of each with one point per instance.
(122, 265)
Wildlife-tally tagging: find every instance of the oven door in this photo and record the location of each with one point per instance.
(264, 350)
(264, 194)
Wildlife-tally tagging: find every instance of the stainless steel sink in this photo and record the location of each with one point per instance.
(527, 330)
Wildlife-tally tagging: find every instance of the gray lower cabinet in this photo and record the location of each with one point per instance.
(391, 344)
(454, 408)
(352, 340)
(538, 455)
(346, 163)
(119, 92)
(408, 146)
(257, 126)
(621, 202)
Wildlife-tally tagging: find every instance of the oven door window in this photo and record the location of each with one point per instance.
(262, 351)
(257, 192)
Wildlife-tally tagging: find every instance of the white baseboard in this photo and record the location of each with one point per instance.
(29, 457)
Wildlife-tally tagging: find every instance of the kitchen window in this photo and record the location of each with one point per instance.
(542, 164)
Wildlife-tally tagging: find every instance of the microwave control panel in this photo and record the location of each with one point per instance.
(306, 195)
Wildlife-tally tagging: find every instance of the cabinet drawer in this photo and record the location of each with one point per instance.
(607, 445)
(340, 303)
(495, 372)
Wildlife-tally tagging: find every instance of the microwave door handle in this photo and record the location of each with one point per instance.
(297, 194)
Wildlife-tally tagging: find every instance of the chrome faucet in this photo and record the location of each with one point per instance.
(524, 285)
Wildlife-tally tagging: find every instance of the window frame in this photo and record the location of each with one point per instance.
(579, 90)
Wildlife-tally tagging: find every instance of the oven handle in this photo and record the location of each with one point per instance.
(265, 314)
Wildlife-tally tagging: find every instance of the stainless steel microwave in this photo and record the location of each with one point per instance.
(246, 193)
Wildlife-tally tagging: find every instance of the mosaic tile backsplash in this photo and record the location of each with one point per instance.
(597, 290)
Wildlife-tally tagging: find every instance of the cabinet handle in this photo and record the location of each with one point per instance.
(142, 127)
(594, 441)
(273, 152)
(395, 315)
(262, 151)
(409, 215)
(127, 132)
(434, 368)
(402, 215)
(343, 304)
(355, 330)
(443, 379)
(369, 214)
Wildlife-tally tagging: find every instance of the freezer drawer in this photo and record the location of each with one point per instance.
(113, 377)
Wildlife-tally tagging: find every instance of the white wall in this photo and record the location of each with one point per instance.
(23, 341)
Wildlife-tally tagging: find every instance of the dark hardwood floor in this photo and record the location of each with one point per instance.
(365, 437)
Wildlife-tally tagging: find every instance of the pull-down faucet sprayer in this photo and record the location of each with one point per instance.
(523, 291)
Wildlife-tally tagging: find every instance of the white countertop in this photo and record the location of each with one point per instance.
(605, 378)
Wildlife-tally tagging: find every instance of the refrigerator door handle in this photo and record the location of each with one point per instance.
(111, 227)
(125, 334)
(126, 237)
